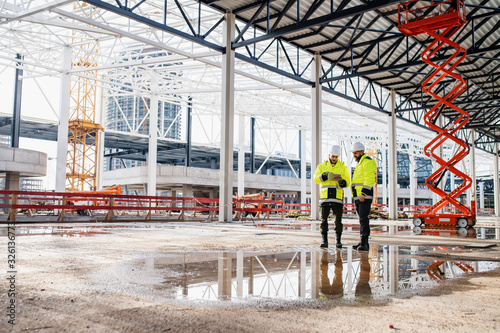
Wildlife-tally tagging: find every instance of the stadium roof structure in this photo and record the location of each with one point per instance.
(364, 57)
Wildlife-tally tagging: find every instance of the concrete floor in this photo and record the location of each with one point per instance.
(144, 277)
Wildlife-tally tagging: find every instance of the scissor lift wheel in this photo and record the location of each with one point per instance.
(417, 222)
(462, 223)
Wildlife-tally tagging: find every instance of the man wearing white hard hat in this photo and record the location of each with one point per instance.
(333, 177)
(363, 179)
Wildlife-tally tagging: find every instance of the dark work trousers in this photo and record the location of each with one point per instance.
(363, 210)
(337, 209)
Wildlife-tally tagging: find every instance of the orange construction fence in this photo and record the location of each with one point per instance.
(63, 203)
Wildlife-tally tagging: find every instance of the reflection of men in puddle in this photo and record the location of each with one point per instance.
(336, 288)
(363, 286)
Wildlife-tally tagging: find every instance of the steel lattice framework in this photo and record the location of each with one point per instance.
(363, 58)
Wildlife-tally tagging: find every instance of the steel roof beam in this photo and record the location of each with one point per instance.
(152, 23)
(325, 19)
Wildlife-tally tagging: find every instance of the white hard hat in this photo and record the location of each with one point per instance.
(357, 146)
(335, 151)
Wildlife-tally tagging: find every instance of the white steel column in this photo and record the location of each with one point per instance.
(496, 183)
(153, 134)
(452, 182)
(384, 175)
(62, 130)
(481, 195)
(100, 142)
(316, 134)
(413, 178)
(393, 177)
(241, 157)
(472, 161)
(227, 123)
(303, 171)
(348, 164)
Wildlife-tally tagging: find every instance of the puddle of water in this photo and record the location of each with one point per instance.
(488, 233)
(301, 274)
(472, 232)
(78, 231)
(88, 231)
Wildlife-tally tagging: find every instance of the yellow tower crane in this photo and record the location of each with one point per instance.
(83, 131)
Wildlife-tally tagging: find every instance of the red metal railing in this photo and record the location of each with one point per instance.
(110, 205)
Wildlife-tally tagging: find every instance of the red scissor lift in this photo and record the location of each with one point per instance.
(440, 21)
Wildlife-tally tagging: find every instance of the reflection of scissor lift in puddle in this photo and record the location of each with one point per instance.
(441, 20)
(435, 272)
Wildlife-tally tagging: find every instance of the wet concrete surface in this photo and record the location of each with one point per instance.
(80, 230)
(298, 274)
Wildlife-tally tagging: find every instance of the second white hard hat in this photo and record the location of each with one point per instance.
(357, 146)
(335, 151)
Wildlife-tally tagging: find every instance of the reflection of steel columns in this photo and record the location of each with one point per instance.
(315, 274)
(224, 280)
(239, 274)
(251, 279)
(393, 269)
(302, 274)
(385, 267)
(349, 268)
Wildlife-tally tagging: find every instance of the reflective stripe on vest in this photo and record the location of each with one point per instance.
(331, 200)
(330, 186)
(366, 197)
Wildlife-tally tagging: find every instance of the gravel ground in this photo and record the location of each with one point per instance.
(65, 284)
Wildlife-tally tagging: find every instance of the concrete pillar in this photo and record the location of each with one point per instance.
(393, 176)
(227, 123)
(241, 156)
(413, 178)
(316, 134)
(187, 190)
(62, 129)
(496, 182)
(12, 181)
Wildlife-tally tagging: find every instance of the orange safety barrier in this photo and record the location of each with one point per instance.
(110, 205)
(303, 209)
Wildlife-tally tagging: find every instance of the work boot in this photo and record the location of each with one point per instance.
(325, 240)
(338, 242)
(364, 244)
